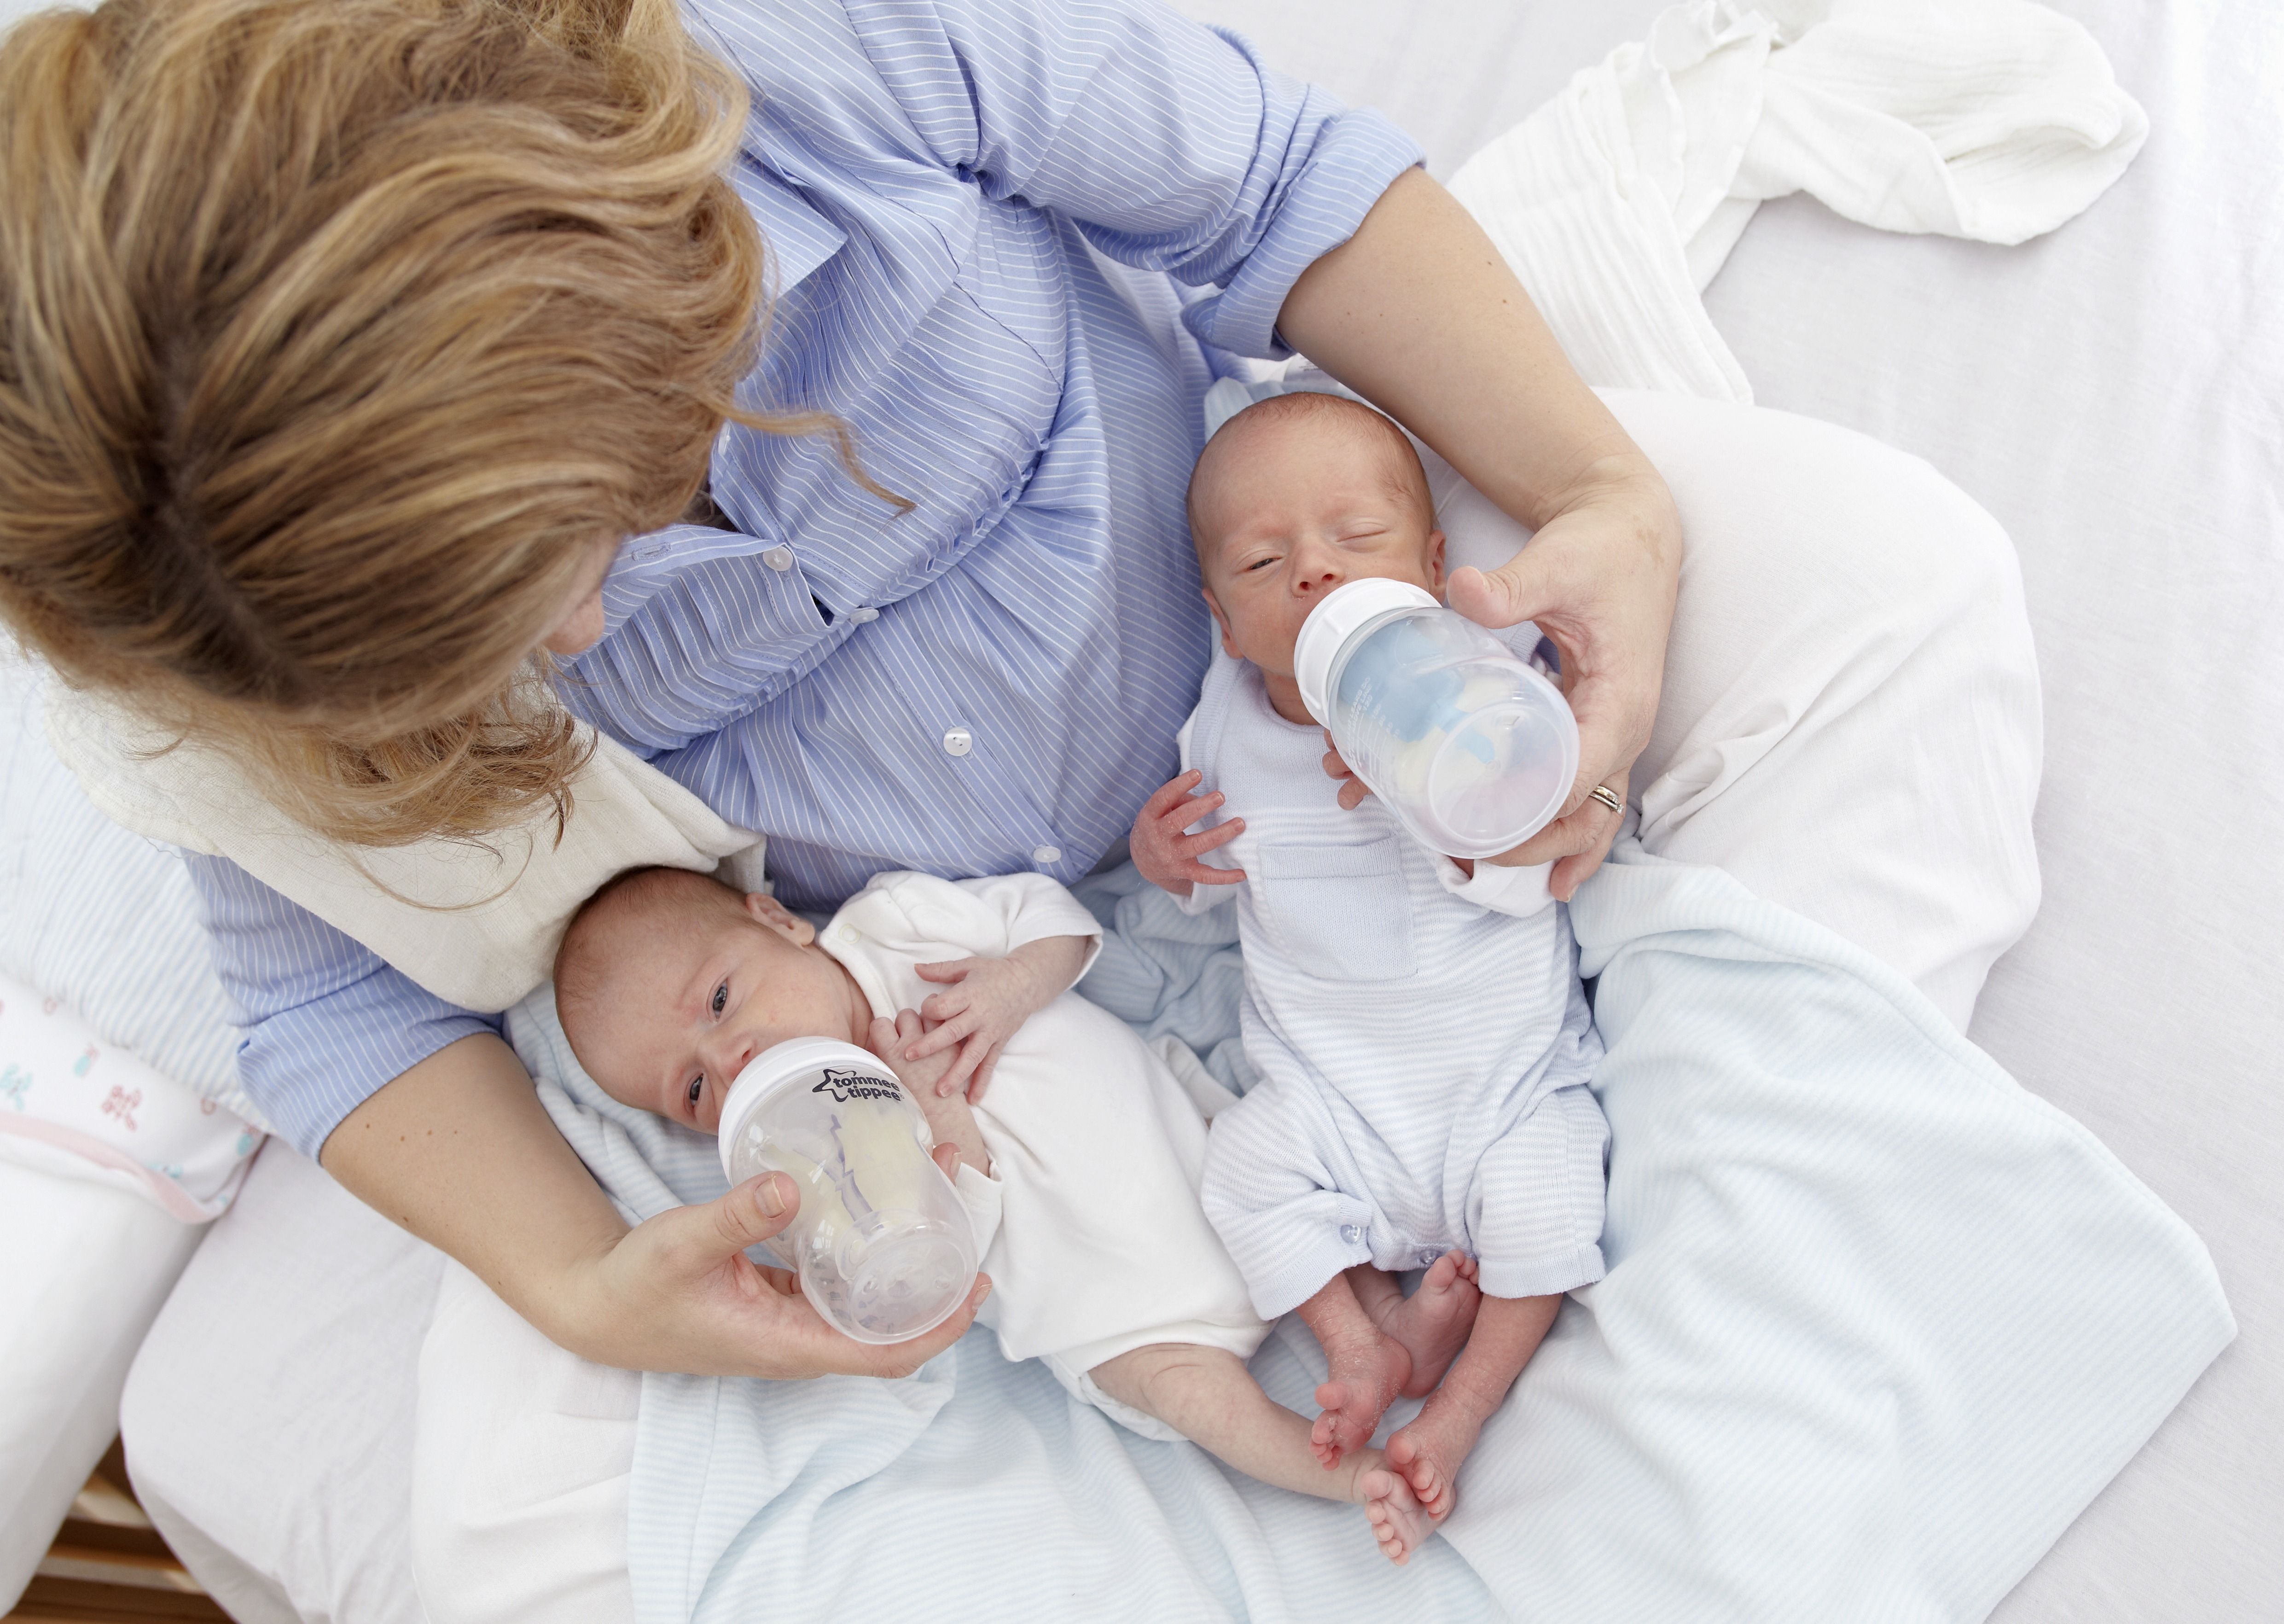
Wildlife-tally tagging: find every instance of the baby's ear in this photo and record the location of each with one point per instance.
(1228, 638)
(767, 910)
(1436, 562)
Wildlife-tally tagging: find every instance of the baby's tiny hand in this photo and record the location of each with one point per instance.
(1167, 857)
(982, 1002)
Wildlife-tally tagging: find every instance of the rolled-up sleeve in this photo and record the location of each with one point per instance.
(324, 1022)
(1169, 144)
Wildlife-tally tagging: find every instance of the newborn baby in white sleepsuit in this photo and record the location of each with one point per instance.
(1075, 1133)
(1422, 1040)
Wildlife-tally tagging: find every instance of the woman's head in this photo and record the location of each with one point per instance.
(340, 342)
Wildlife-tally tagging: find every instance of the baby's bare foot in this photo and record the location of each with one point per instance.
(1365, 1372)
(1434, 1321)
(1397, 1521)
(1429, 1451)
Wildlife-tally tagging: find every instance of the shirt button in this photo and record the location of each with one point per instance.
(1351, 1233)
(847, 933)
(779, 559)
(1044, 855)
(958, 742)
(860, 615)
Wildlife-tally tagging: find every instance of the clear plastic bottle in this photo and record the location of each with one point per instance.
(1470, 747)
(882, 1241)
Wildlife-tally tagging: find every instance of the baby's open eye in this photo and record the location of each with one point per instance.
(721, 998)
(697, 1087)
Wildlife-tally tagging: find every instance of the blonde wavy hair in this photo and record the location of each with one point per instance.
(336, 338)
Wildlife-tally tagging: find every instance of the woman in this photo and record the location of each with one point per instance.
(364, 354)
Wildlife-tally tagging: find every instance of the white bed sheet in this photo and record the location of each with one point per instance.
(2113, 394)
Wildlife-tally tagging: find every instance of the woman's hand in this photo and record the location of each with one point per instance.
(459, 1151)
(702, 1307)
(1599, 579)
(983, 1003)
(1166, 856)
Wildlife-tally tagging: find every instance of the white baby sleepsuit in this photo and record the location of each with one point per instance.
(1421, 1037)
(1097, 1146)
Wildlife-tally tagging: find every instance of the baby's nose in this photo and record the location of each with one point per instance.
(733, 1054)
(1313, 577)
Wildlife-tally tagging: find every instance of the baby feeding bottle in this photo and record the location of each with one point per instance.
(881, 1243)
(1471, 748)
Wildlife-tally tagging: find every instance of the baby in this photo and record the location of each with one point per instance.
(1422, 1041)
(1077, 1149)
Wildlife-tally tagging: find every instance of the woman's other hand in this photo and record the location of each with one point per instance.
(704, 1307)
(1418, 313)
(1598, 579)
(461, 1151)
(1165, 854)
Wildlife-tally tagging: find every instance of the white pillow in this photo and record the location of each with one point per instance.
(102, 920)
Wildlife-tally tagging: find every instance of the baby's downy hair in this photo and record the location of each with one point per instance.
(1406, 478)
(644, 898)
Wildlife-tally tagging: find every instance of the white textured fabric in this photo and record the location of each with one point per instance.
(81, 1274)
(72, 1104)
(1404, 1029)
(473, 922)
(1617, 202)
(1096, 1147)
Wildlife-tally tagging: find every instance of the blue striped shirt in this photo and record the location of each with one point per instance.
(1011, 242)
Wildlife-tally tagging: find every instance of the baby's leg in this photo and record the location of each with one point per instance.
(1508, 1330)
(1209, 1396)
(1432, 1322)
(1365, 1367)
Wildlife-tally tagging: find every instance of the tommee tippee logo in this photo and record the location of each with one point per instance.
(847, 1085)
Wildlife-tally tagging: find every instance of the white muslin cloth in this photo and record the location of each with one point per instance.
(1617, 202)
(474, 921)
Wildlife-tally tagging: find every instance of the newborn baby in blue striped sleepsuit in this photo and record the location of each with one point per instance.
(1422, 1042)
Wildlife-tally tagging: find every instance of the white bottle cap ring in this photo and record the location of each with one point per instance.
(1330, 625)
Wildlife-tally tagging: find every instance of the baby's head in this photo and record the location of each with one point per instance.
(667, 982)
(1298, 495)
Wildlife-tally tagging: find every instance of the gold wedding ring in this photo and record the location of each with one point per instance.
(1607, 796)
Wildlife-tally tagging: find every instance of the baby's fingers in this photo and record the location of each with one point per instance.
(1189, 812)
(983, 1073)
(1220, 835)
(1200, 874)
(1162, 798)
(955, 1079)
(941, 1038)
(946, 1006)
(944, 970)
